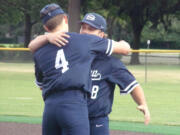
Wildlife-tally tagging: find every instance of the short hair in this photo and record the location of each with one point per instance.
(51, 15)
(52, 23)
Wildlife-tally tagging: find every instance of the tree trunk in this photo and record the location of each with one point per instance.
(135, 45)
(74, 15)
(137, 29)
(27, 31)
(110, 24)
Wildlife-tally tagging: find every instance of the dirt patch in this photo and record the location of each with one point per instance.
(7, 128)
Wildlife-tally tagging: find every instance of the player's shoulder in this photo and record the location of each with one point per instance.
(73, 34)
(116, 62)
(114, 58)
(77, 40)
(46, 47)
(109, 58)
(106, 61)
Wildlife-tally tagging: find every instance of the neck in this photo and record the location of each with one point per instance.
(60, 29)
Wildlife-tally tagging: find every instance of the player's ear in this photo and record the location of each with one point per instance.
(44, 26)
(101, 34)
(105, 35)
(66, 19)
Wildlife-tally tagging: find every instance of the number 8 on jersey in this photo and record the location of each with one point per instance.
(95, 89)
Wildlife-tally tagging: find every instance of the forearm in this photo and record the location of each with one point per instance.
(37, 43)
(138, 96)
(121, 47)
(57, 38)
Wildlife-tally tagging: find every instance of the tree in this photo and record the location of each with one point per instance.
(139, 12)
(23, 10)
(74, 15)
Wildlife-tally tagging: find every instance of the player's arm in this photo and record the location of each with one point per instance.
(38, 75)
(138, 96)
(58, 38)
(121, 47)
(128, 84)
(108, 46)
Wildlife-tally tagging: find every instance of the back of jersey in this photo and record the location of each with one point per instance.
(67, 67)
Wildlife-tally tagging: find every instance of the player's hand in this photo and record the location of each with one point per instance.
(58, 38)
(145, 110)
(125, 47)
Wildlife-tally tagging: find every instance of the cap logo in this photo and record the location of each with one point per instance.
(49, 14)
(91, 17)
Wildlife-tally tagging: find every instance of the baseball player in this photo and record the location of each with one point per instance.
(106, 72)
(63, 74)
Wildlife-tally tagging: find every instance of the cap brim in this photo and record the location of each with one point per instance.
(89, 23)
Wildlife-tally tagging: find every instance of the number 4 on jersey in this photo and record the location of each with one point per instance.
(61, 61)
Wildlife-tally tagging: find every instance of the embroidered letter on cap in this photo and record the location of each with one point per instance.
(91, 17)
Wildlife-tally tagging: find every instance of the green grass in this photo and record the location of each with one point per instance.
(19, 96)
(18, 93)
(21, 119)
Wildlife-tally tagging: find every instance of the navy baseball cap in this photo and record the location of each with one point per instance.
(50, 11)
(95, 20)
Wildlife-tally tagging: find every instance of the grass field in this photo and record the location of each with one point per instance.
(19, 96)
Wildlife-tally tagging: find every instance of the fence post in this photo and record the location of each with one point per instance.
(148, 46)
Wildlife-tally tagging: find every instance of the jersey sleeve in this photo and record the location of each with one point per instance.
(38, 75)
(122, 77)
(101, 46)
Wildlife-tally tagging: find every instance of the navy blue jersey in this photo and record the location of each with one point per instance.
(69, 67)
(106, 73)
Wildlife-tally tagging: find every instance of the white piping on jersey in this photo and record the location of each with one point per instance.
(108, 47)
(39, 84)
(130, 90)
(112, 46)
(130, 85)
